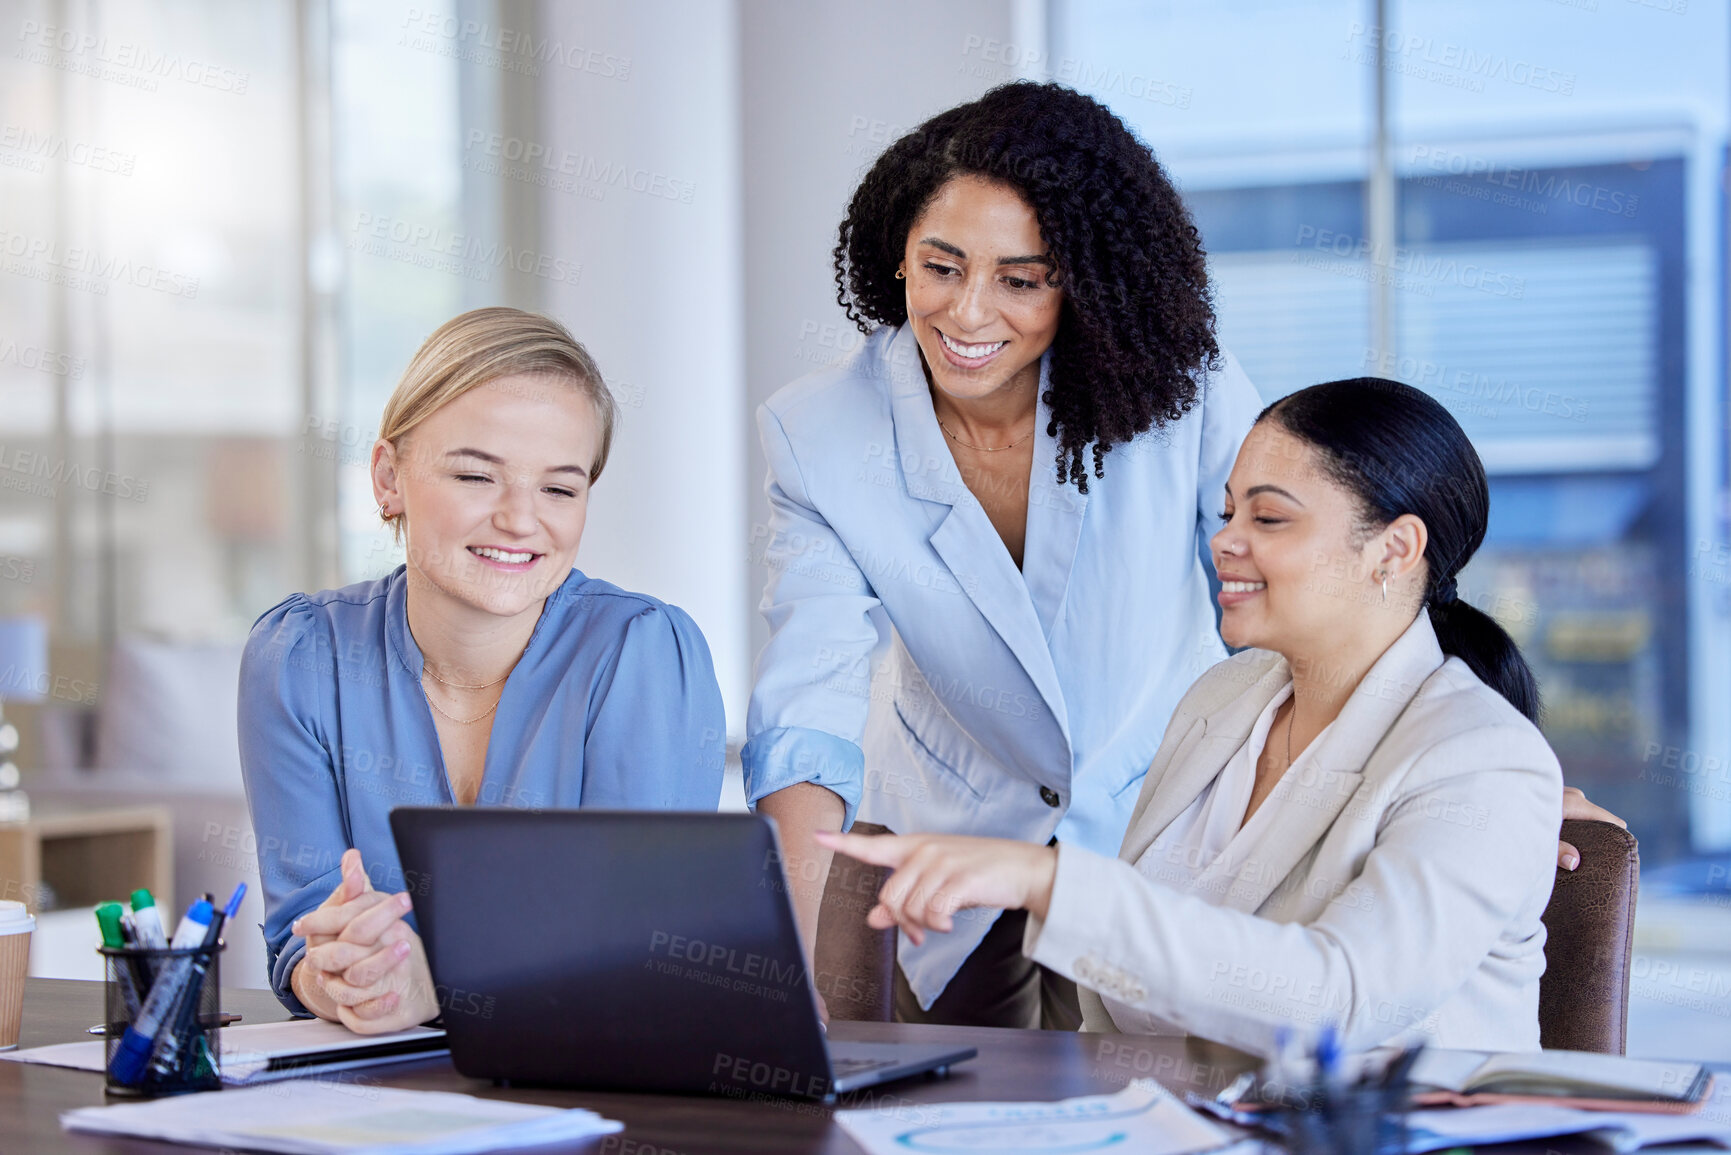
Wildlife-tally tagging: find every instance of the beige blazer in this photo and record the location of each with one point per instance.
(1398, 896)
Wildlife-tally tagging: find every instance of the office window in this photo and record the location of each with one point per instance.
(150, 209)
(1554, 277)
(398, 217)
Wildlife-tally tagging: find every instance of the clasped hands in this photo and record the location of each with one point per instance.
(364, 965)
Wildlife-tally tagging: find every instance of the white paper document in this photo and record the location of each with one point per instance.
(1142, 1118)
(246, 1053)
(80, 1056)
(309, 1117)
(1448, 1127)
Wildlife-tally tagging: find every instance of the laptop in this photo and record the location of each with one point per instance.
(627, 950)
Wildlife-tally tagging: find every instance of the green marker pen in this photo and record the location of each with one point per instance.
(108, 919)
(147, 922)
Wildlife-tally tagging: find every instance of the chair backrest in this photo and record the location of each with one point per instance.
(1590, 931)
(855, 964)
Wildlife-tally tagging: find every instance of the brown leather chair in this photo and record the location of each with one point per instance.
(1590, 931)
(855, 964)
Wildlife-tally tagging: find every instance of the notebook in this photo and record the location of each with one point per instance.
(1564, 1078)
(262, 1052)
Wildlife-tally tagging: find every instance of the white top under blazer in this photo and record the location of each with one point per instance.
(915, 671)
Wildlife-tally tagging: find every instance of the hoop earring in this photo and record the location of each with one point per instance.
(901, 274)
(383, 514)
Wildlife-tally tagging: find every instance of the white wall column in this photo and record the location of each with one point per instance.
(826, 86)
(639, 172)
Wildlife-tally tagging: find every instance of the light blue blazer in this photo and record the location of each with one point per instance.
(913, 670)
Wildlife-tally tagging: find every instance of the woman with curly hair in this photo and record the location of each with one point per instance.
(986, 595)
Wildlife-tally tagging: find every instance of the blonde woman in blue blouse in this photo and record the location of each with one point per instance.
(485, 671)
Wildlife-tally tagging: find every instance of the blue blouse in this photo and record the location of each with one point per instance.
(614, 704)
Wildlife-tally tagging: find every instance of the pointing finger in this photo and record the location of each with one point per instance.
(877, 849)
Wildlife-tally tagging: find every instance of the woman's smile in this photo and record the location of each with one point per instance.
(977, 268)
(969, 356)
(1236, 590)
(509, 560)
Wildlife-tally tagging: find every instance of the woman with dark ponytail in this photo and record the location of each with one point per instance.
(1399, 451)
(1351, 821)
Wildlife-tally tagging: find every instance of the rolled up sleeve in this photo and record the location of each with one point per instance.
(811, 694)
(788, 755)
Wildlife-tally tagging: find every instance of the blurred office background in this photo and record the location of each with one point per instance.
(224, 229)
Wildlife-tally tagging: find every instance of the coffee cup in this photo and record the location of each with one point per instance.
(16, 924)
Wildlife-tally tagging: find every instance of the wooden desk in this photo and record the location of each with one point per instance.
(1011, 1065)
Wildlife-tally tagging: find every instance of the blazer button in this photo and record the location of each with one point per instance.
(1049, 796)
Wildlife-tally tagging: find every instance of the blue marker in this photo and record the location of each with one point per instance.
(1328, 1053)
(133, 1055)
(178, 1026)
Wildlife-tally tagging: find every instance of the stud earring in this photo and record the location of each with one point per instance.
(1384, 575)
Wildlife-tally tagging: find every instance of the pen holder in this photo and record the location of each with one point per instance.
(1364, 1118)
(172, 1048)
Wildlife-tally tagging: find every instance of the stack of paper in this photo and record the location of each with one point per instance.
(1504, 1123)
(1143, 1118)
(309, 1117)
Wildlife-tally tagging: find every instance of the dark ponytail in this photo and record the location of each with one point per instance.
(1400, 451)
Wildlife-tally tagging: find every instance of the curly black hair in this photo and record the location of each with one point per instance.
(1137, 320)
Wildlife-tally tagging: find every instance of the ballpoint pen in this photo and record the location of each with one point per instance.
(1328, 1067)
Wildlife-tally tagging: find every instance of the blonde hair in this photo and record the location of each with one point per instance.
(483, 345)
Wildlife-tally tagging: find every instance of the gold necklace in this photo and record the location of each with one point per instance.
(459, 721)
(982, 448)
(428, 670)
